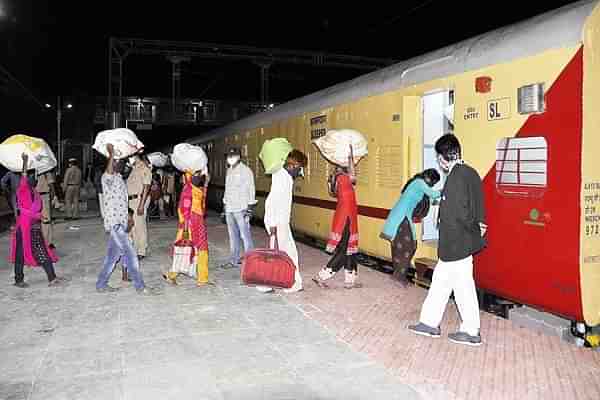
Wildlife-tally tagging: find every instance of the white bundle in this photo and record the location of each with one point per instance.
(335, 146)
(189, 158)
(158, 159)
(40, 155)
(124, 141)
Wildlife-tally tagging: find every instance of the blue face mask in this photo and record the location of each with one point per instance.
(296, 172)
(197, 181)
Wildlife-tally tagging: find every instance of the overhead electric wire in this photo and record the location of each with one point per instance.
(403, 15)
(23, 87)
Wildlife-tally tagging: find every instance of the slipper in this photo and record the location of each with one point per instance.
(320, 283)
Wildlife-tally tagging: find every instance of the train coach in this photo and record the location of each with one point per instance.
(525, 103)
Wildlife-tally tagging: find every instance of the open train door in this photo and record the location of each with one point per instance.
(438, 112)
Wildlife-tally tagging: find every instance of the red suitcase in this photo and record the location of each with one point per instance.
(268, 267)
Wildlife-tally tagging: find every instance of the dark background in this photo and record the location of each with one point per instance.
(60, 47)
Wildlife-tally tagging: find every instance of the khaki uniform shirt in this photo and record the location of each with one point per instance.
(44, 182)
(171, 183)
(140, 175)
(72, 176)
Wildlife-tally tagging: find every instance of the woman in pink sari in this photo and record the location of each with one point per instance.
(28, 246)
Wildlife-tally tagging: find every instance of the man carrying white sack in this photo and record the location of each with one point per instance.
(278, 213)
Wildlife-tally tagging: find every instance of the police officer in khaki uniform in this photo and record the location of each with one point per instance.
(71, 186)
(45, 187)
(138, 189)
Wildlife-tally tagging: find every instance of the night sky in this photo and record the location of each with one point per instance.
(60, 47)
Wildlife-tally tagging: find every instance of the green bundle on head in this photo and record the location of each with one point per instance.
(274, 153)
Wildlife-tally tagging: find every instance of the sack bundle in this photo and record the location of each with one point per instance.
(158, 159)
(41, 158)
(335, 146)
(124, 141)
(189, 158)
(273, 154)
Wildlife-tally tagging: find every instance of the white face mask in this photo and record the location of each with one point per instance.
(233, 160)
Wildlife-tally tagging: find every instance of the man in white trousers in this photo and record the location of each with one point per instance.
(462, 227)
(278, 212)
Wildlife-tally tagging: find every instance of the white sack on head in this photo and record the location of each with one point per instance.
(40, 155)
(124, 141)
(335, 146)
(189, 158)
(158, 159)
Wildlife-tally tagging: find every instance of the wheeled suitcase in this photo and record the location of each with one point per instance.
(268, 267)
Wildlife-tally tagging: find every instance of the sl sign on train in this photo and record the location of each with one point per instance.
(498, 109)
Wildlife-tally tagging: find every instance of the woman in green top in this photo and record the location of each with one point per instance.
(399, 228)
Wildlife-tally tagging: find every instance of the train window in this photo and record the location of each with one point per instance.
(522, 166)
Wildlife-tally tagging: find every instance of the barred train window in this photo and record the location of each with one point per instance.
(522, 166)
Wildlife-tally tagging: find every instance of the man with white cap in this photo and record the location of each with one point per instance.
(71, 186)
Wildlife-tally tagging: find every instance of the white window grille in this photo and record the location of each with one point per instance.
(522, 166)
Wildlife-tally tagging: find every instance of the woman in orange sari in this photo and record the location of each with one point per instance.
(191, 210)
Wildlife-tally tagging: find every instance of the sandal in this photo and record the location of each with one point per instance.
(58, 281)
(320, 283)
(353, 285)
(169, 280)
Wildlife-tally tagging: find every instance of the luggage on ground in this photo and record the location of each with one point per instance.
(268, 267)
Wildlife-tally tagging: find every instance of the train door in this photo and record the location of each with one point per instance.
(438, 111)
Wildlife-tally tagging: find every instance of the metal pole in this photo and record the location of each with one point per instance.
(58, 120)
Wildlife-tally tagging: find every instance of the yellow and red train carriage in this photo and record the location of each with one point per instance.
(525, 103)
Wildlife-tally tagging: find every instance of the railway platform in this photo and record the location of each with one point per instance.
(228, 341)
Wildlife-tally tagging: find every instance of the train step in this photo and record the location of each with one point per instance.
(423, 270)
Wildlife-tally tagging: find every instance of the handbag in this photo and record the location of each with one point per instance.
(421, 209)
(268, 267)
(184, 256)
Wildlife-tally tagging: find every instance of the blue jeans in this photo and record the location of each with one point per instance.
(119, 246)
(238, 226)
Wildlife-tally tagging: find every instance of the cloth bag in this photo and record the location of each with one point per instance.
(184, 258)
(41, 158)
(189, 158)
(124, 141)
(274, 153)
(335, 146)
(158, 159)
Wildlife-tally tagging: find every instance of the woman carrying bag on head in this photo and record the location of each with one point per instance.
(192, 227)
(27, 245)
(343, 238)
(399, 226)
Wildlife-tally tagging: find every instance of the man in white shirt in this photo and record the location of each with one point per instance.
(278, 213)
(239, 201)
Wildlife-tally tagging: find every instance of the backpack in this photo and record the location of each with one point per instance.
(421, 209)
